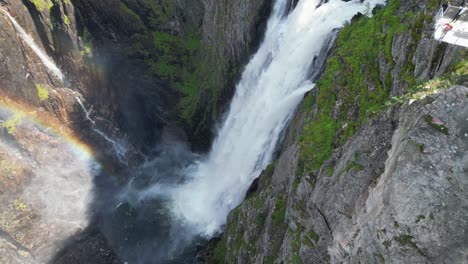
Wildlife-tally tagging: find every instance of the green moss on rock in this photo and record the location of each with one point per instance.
(350, 69)
(439, 127)
(279, 214)
(42, 92)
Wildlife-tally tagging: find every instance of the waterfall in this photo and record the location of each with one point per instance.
(272, 85)
(48, 62)
(86, 111)
(119, 149)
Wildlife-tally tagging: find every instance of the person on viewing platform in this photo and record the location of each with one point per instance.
(458, 15)
(444, 6)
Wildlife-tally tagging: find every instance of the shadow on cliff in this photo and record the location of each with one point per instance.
(120, 84)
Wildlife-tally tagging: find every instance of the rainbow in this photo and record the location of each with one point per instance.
(47, 122)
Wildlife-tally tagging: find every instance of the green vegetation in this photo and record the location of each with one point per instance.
(329, 170)
(407, 240)
(353, 90)
(19, 205)
(312, 235)
(10, 125)
(219, 253)
(42, 4)
(162, 10)
(279, 214)
(420, 217)
(296, 243)
(176, 63)
(458, 75)
(346, 78)
(130, 15)
(353, 165)
(42, 92)
(39, 4)
(387, 244)
(66, 20)
(7, 168)
(439, 127)
(87, 48)
(352, 74)
(269, 170)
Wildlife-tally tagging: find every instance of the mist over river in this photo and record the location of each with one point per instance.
(181, 199)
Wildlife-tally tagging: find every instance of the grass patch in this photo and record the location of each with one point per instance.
(162, 11)
(87, 48)
(10, 125)
(218, 254)
(348, 73)
(177, 65)
(279, 214)
(66, 20)
(42, 92)
(457, 76)
(353, 165)
(439, 127)
(314, 236)
(40, 4)
(407, 240)
(387, 244)
(420, 218)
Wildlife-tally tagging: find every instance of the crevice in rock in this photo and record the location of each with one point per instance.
(326, 221)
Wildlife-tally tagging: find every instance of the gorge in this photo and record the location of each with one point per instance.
(231, 132)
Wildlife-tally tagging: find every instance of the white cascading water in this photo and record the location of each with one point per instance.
(119, 149)
(46, 60)
(272, 85)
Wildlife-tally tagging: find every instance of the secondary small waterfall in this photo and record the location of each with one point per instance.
(120, 151)
(271, 87)
(48, 62)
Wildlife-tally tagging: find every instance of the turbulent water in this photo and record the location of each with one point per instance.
(271, 87)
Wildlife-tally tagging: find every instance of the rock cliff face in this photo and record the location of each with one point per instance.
(141, 68)
(373, 167)
(175, 61)
(177, 57)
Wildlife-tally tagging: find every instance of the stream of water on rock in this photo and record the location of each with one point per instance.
(46, 60)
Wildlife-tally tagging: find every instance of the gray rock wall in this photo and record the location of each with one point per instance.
(394, 191)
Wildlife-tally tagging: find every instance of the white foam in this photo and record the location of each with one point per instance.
(271, 87)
